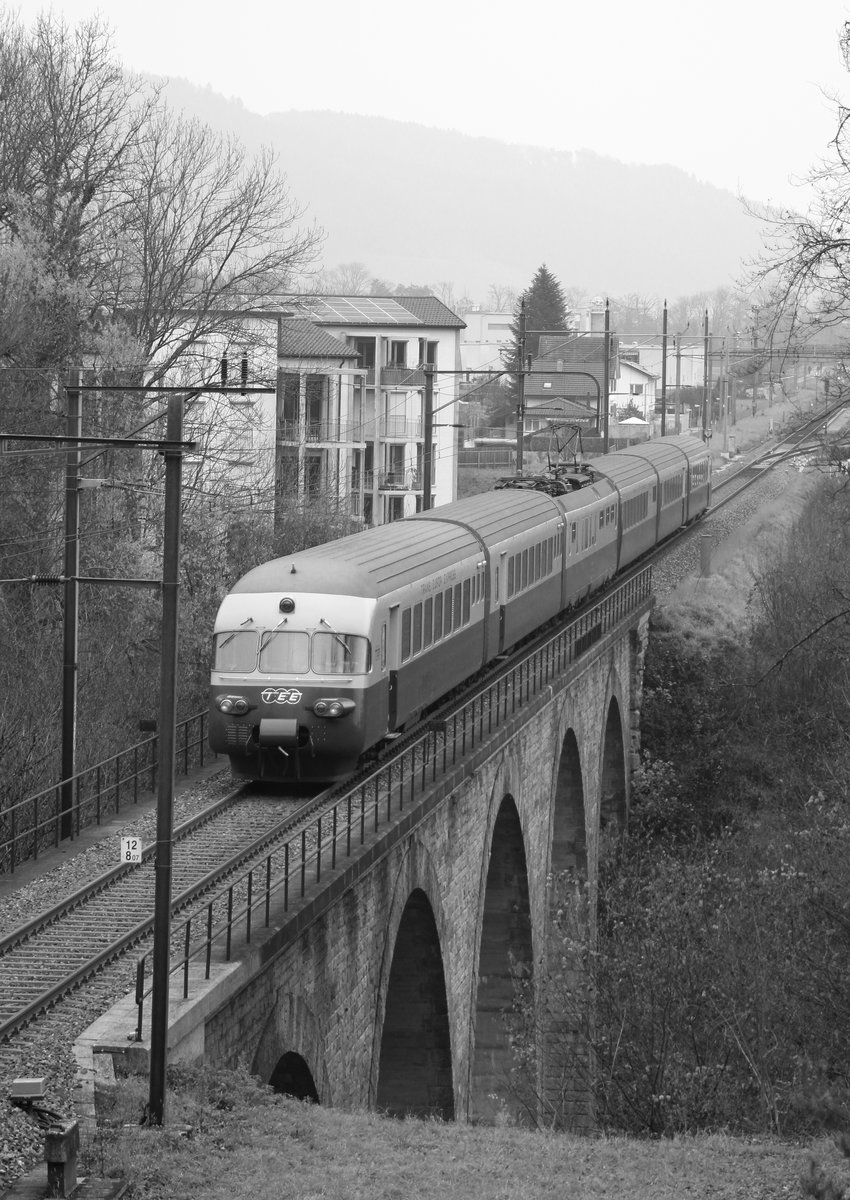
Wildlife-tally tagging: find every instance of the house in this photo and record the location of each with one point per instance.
(568, 378)
(635, 388)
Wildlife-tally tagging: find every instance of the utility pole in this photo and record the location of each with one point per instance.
(428, 448)
(520, 407)
(706, 375)
(724, 393)
(664, 370)
(71, 572)
(606, 378)
(165, 790)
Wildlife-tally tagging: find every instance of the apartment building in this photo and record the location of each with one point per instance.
(351, 400)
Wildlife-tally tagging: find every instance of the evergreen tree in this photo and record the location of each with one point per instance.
(545, 308)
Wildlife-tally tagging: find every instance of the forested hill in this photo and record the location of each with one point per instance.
(416, 204)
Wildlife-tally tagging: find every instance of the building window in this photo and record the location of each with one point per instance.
(397, 354)
(395, 508)
(365, 348)
(427, 353)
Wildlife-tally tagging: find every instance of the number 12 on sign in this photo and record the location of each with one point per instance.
(131, 850)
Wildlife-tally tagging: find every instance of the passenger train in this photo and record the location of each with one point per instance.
(322, 654)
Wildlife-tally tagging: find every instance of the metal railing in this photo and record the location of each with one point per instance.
(323, 431)
(341, 829)
(35, 824)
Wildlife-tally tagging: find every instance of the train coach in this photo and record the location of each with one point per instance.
(320, 655)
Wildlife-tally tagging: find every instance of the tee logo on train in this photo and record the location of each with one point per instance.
(281, 696)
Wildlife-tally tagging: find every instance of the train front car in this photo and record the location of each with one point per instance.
(292, 673)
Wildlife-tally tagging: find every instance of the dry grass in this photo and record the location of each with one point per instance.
(279, 1148)
(704, 609)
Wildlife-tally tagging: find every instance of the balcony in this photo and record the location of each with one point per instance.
(402, 377)
(332, 432)
(387, 481)
(399, 481)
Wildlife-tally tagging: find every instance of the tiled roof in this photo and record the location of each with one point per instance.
(432, 311)
(385, 310)
(301, 338)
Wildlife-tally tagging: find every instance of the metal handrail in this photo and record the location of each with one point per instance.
(342, 828)
(34, 824)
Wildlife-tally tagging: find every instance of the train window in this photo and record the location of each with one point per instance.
(584, 534)
(340, 654)
(447, 611)
(383, 647)
(282, 650)
(511, 562)
(538, 559)
(496, 584)
(427, 619)
(456, 607)
(654, 493)
(524, 583)
(574, 538)
(593, 520)
(438, 617)
(467, 590)
(405, 635)
(236, 651)
(417, 628)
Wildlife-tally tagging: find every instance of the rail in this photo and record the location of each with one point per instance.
(341, 829)
(34, 824)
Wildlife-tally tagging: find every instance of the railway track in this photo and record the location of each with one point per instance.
(736, 480)
(42, 961)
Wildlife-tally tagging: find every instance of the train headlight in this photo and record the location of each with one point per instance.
(232, 706)
(333, 708)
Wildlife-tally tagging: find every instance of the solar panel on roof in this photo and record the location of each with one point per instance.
(349, 310)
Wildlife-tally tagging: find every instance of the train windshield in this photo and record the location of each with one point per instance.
(340, 654)
(236, 651)
(285, 651)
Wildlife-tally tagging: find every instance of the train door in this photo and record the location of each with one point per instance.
(501, 595)
(393, 662)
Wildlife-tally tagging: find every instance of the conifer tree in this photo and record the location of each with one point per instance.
(545, 308)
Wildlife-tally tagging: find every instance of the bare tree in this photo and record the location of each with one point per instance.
(346, 279)
(501, 297)
(805, 267)
(69, 117)
(207, 234)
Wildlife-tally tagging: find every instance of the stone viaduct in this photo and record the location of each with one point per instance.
(388, 987)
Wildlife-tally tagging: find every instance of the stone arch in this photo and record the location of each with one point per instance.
(289, 1054)
(415, 1061)
(569, 824)
(563, 1064)
(505, 943)
(613, 787)
(292, 1077)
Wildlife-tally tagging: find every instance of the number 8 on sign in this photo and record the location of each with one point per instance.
(131, 850)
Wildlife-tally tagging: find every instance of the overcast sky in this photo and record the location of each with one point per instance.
(732, 92)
